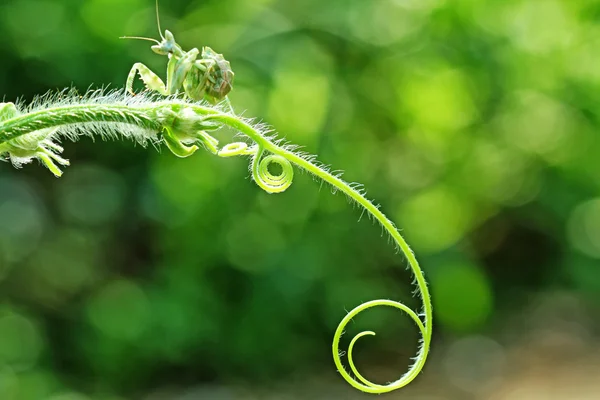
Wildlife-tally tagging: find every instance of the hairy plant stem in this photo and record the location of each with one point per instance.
(144, 116)
(183, 124)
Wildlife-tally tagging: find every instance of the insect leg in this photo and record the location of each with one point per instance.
(228, 103)
(178, 69)
(206, 66)
(150, 79)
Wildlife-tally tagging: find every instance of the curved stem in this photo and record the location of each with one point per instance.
(425, 326)
(186, 122)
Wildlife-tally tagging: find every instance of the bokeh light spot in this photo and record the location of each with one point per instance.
(551, 119)
(120, 310)
(435, 219)
(390, 21)
(583, 228)
(475, 363)
(22, 219)
(47, 16)
(462, 296)
(439, 100)
(91, 195)
(37, 384)
(107, 17)
(540, 26)
(9, 383)
(21, 342)
(300, 98)
(65, 262)
(178, 188)
(69, 396)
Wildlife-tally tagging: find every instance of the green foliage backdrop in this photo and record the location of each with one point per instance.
(140, 275)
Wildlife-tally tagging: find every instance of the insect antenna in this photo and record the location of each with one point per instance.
(158, 21)
(140, 38)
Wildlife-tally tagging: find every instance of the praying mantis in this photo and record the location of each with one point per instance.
(209, 77)
(203, 75)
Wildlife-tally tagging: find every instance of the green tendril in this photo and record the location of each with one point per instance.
(236, 149)
(181, 125)
(264, 178)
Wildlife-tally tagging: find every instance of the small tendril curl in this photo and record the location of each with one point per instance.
(265, 179)
(236, 149)
(268, 181)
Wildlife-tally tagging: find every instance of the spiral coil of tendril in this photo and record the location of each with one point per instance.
(364, 384)
(269, 182)
(266, 180)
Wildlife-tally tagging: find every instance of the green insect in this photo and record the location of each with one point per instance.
(205, 75)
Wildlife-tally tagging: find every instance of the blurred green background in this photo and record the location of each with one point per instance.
(475, 124)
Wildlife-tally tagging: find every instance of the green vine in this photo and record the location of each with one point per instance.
(184, 125)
